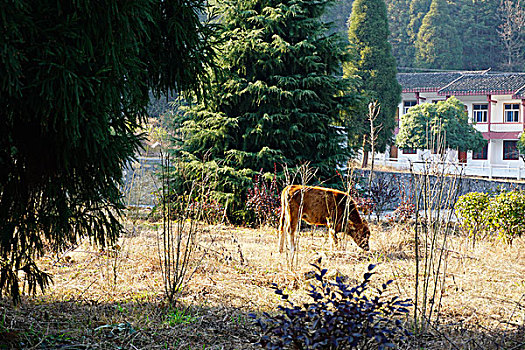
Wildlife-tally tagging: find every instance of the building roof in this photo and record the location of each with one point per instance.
(465, 83)
(520, 93)
(425, 82)
(485, 84)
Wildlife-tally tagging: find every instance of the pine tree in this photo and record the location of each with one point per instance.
(374, 64)
(276, 100)
(398, 20)
(478, 31)
(417, 11)
(438, 45)
(75, 78)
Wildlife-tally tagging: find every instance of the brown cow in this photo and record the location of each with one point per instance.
(321, 206)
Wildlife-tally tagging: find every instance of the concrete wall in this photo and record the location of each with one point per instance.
(408, 185)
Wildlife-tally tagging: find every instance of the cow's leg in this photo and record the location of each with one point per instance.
(332, 232)
(283, 224)
(284, 232)
(294, 220)
(281, 239)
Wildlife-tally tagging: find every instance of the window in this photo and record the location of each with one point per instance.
(510, 150)
(511, 113)
(407, 105)
(481, 154)
(480, 113)
(409, 151)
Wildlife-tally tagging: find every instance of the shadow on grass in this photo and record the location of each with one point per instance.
(148, 324)
(151, 324)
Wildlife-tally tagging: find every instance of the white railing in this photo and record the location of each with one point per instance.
(506, 127)
(490, 170)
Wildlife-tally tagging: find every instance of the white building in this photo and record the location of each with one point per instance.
(495, 103)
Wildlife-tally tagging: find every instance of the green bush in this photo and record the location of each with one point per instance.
(506, 215)
(227, 187)
(501, 215)
(470, 209)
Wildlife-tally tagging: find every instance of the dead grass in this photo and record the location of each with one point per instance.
(113, 299)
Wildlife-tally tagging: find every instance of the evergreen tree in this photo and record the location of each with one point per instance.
(438, 45)
(398, 20)
(75, 78)
(276, 100)
(478, 32)
(417, 11)
(374, 64)
(337, 13)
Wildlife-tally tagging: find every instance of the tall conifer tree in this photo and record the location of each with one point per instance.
(398, 20)
(374, 64)
(438, 45)
(416, 12)
(74, 83)
(478, 28)
(277, 98)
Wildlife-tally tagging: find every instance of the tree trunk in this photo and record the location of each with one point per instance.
(364, 161)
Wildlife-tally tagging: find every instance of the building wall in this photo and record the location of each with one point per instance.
(497, 124)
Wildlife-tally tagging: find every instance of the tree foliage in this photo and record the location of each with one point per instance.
(75, 78)
(485, 28)
(438, 45)
(275, 101)
(398, 22)
(512, 32)
(478, 34)
(374, 64)
(444, 122)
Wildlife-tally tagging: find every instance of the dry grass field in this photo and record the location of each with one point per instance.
(114, 298)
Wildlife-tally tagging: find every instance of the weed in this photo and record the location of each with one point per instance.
(177, 317)
(264, 200)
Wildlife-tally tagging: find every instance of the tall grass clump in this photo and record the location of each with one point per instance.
(436, 190)
(180, 250)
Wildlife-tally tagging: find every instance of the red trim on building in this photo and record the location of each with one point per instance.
(523, 112)
(492, 135)
(489, 114)
(477, 92)
(421, 90)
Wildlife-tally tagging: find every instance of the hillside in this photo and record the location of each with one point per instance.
(479, 24)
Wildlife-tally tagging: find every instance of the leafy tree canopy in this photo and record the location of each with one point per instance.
(521, 145)
(446, 122)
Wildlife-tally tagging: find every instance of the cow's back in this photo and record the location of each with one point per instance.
(318, 204)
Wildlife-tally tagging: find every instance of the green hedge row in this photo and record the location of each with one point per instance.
(501, 214)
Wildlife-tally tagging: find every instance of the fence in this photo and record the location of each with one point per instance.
(140, 183)
(490, 171)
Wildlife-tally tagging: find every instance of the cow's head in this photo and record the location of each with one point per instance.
(360, 233)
